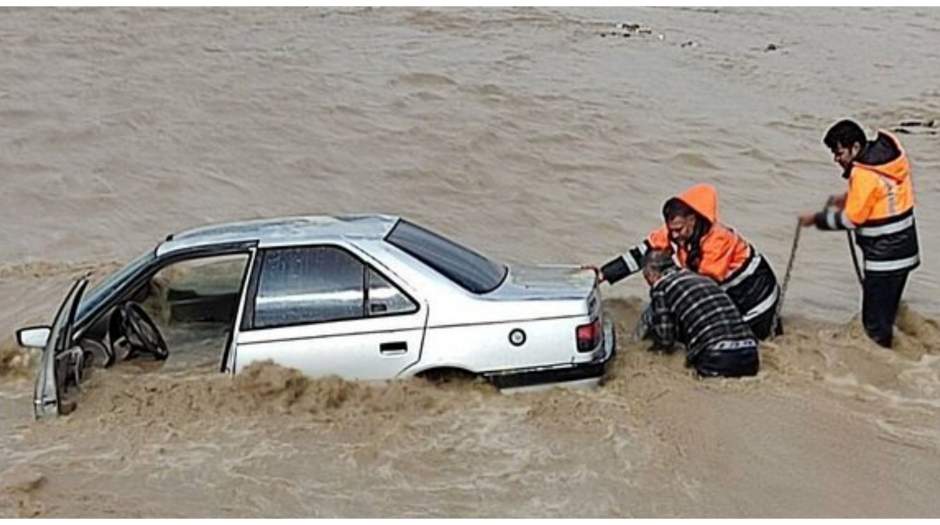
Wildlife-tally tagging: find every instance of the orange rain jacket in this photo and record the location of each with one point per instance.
(726, 257)
(879, 206)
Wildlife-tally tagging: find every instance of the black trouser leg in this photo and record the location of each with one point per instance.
(881, 295)
(728, 363)
(763, 324)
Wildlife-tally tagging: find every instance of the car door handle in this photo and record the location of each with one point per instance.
(398, 347)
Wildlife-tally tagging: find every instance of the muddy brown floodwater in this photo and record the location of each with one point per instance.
(526, 134)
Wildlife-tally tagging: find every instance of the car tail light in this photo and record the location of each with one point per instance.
(589, 335)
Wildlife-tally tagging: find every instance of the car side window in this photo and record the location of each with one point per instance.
(386, 299)
(308, 285)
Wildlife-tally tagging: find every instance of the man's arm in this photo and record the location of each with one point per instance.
(833, 219)
(850, 211)
(663, 323)
(632, 261)
(837, 200)
(624, 265)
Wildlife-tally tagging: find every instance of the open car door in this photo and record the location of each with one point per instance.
(62, 364)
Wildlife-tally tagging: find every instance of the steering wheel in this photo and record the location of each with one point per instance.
(141, 332)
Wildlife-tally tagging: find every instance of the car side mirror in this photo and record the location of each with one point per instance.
(33, 336)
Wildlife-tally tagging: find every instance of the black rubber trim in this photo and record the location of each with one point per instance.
(553, 375)
(248, 313)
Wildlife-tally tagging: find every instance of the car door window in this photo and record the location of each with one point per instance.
(308, 285)
(386, 299)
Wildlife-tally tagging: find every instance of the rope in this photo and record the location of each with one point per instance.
(786, 279)
(851, 241)
(858, 271)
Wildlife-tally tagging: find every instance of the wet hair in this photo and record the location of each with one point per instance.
(658, 261)
(676, 208)
(844, 133)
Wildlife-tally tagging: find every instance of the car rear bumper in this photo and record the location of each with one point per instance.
(561, 375)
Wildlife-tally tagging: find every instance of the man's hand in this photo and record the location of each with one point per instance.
(807, 219)
(598, 276)
(837, 200)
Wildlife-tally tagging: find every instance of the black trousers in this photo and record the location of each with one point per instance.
(763, 324)
(727, 363)
(881, 295)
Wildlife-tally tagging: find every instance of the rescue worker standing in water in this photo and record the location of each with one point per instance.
(879, 208)
(705, 246)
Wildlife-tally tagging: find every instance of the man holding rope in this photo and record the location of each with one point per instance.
(879, 209)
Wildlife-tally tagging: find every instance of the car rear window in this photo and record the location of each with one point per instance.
(467, 268)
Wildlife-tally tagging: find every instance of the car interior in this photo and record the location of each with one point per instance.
(183, 316)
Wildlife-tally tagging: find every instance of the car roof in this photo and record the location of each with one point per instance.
(282, 231)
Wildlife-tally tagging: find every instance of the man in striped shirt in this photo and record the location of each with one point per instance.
(692, 309)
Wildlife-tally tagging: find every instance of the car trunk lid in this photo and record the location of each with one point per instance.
(546, 282)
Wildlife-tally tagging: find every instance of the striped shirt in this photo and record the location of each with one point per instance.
(692, 309)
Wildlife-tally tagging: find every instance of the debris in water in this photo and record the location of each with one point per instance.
(628, 29)
(918, 123)
(919, 127)
(689, 43)
(771, 47)
(21, 478)
(14, 361)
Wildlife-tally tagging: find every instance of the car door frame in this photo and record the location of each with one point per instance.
(47, 392)
(245, 321)
(132, 283)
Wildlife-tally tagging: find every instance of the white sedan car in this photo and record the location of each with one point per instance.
(362, 297)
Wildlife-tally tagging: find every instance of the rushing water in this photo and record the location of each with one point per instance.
(526, 134)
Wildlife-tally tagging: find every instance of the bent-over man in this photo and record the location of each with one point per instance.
(690, 308)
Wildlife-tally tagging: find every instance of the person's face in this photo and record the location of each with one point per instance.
(680, 228)
(844, 156)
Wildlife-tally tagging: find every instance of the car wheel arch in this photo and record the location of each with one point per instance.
(443, 374)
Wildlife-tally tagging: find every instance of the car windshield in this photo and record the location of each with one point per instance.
(93, 297)
(470, 270)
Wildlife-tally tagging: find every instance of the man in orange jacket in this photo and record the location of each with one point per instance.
(703, 245)
(879, 208)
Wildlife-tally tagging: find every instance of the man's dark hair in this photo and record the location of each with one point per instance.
(658, 261)
(844, 133)
(676, 208)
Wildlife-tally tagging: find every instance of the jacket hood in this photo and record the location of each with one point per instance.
(703, 198)
(885, 156)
